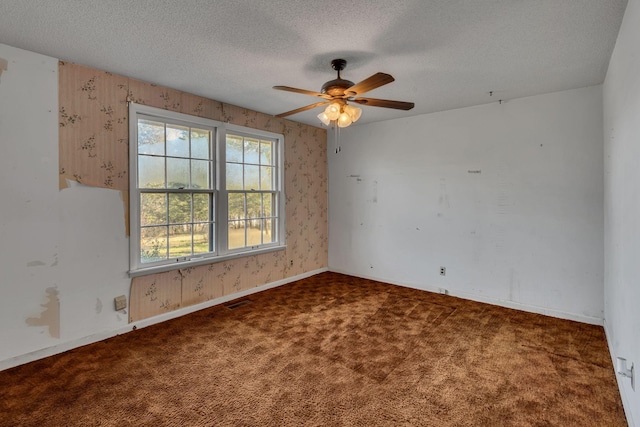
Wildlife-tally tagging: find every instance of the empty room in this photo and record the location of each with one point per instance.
(372, 213)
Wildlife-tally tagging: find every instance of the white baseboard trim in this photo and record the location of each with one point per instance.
(70, 345)
(623, 396)
(481, 298)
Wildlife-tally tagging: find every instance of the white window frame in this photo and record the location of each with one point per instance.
(220, 194)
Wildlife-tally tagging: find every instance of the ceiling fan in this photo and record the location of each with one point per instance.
(335, 94)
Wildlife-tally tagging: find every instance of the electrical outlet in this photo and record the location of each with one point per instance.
(443, 271)
(291, 263)
(120, 302)
(621, 369)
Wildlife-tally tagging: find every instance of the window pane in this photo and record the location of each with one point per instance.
(179, 240)
(200, 174)
(153, 208)
(177, 141)
(200, 143)
(177, 173)
(236, 234)
(265, 153)
(266, 178)
(201, 207)
(254, 205)
(153, 244)
(251, 177)
(268, 231)
(254, 232)
(179, 208)
(234, 149)
(236, 206)
(267, 204)
(150, 137)
(234, 177)
(150, 172)
(202, 238)
(251, 150)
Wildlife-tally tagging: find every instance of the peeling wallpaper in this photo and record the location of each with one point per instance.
(93, 150)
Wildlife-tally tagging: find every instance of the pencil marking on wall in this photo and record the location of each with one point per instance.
(36, 263)
(503, 205)
(503, 199)
(375, 191)
(444, 194)
(50, 317)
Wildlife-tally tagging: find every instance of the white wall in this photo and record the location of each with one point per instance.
(526, 231)
(65, 250)
(622, 204)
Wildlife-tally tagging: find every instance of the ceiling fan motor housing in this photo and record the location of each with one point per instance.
(337, 86)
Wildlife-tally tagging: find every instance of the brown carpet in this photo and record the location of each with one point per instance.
(331, 350)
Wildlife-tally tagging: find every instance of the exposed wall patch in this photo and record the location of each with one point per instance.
(4, 65)
(50, 317)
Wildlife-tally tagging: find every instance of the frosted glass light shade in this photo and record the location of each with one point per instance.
(333, 111)
(353, 112)
(344, 120)
(324, 118)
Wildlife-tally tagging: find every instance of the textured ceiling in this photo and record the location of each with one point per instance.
(443, 54)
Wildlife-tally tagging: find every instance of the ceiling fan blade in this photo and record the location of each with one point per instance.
(386, 103)
(303, 91)
(370, 83)
(301, 109)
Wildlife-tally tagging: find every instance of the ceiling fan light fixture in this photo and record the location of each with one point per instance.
(335, 94)
(353, 112)
(333, 111)
(344, 120)
(324, 118)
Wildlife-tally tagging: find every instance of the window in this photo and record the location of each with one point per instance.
(201, 191)
(251, 192)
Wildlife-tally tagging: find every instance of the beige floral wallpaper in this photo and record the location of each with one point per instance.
(94, 147)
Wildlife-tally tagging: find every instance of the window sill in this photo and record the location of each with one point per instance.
(202, 261)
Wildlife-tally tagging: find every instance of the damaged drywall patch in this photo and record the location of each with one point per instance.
(66, 181)
(4, 65)
(50, 317)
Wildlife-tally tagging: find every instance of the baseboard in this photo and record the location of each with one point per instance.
(623, 396)
(61, 348)
(484, 299)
